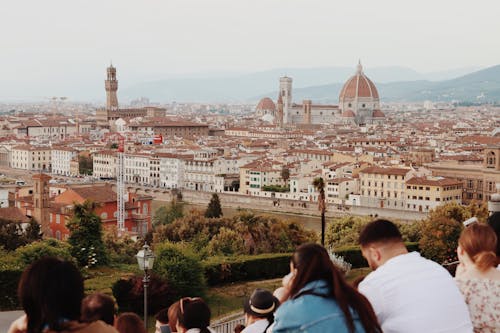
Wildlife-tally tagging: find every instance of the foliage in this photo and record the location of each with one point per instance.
(121, 250)
(46, 248)
(411, 231)
(85, 238)
(353, 255)
(257, 234)
(181, 267)
(129, 294)
(214, 209)
(168, 214)
(344, 231)
(85, 165)
(442, 228)
(12, 234)
(276, 188)
(9, 279)
(219, 270)
(285, 174)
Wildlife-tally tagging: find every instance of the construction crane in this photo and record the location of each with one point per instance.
(120, 188)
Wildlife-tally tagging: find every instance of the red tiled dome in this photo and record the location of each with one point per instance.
(348, 113)
(378, 114)
(266, 104)
(358, 84)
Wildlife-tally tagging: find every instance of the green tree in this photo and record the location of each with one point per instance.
(46, 248)
(285, 174)
(319, 185)
(12, 234)
(344, 231)
(86, 236)
(214, 209)
(85, 165)
(226, 242)
(168, 214)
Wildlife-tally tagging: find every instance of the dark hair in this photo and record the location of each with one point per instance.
(238, 328)
(129, 322)
(172, 318)
(194, 313)
(162, 316)
(379, 231)
(50, 291)
(313, 263)
(494, 223)
(98, 307)
(479, 241)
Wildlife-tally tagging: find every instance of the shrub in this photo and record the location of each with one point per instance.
(129, 294)
(226, 242)
(183, 270)
(220, 270)
(47, 248)
(10, 273)
(344, 231)
(120, 250)
(440, 239)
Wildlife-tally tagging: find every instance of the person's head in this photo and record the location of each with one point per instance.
(494, 223)
(172, 316)
(129, 322)
(50, 290)
(238, 328)
(261, 305)
(380, 241)
(161, 319)
(311, 262)
(98, 307)
(193, 313)
(478, 243)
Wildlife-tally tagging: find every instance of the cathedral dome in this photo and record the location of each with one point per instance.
(358, 86)
(266, 104)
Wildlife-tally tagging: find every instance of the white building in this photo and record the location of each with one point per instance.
(104, 164)
(137, 168)
(171, 170)
(61, 158)
(29, 157)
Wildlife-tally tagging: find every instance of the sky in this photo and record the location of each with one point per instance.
(53, 43)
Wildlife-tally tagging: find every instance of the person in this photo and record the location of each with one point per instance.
(193, 316)
(129, 322)
(172, 316)
(259, 311)
(161, 319)
(408, 293)
(320, 298)
(51, 292)
(494, 223)
(239, 328)
(479, 280)
(98, 306)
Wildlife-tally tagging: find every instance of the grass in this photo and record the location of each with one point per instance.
(102, 278)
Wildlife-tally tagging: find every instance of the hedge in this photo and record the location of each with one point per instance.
(9, 279)
(220, 270)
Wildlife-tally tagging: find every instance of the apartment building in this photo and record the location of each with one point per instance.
(426, 193)
(383, 187)
(29, 157)
(61, 161)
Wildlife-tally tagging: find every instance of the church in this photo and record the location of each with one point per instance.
(359, 104)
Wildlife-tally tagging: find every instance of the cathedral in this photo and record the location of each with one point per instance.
(359, 104)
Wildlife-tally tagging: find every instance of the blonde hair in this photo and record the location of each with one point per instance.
(479, 241)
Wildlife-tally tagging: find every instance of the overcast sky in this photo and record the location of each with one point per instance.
(62, 40)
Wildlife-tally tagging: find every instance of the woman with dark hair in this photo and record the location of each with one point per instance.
(193, 316)
(479, 280)
(129, 322)
(51, 293)
(320, 300)
(259, 311)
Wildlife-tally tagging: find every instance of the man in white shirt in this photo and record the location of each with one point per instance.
(409, 293)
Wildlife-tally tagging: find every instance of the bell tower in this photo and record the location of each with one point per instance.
(286, 93)
(41, 201)
(111, 85)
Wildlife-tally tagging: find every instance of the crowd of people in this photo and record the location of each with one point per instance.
(404, 293)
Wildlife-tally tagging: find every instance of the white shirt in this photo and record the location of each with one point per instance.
(257, 327)
(412, 294)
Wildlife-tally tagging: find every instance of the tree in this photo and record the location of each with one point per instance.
(168, 214)
(285, 174)
(319, 185)
(12, 234)
(85, 165)
(214, 209)
(85, 238)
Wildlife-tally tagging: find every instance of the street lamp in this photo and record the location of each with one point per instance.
(145, 259)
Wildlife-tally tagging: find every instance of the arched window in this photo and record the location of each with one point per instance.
(491, 159)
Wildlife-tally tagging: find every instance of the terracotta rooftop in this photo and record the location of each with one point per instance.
(13, 214)
(433, 182)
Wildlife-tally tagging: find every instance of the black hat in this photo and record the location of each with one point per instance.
(261, 303)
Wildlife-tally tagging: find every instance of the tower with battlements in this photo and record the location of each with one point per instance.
(111, 85)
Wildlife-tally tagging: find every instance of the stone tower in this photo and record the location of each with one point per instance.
(41, 201)
(286, 93)
(278, 117)
(307, 105)
(111, 84)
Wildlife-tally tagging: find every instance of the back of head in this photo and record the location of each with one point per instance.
(98, 307)
(50, 291)
(494, 223)
(479, 241)
(194, 313)
(380, 231)
(172, 318)
(129, 322)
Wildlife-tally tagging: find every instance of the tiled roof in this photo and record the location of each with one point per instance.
(13, 214)
(98, 194)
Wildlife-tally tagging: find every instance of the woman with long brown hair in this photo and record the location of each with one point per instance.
(479, 280)
(320, 299)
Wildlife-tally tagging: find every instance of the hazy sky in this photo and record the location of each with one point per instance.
(69, 40)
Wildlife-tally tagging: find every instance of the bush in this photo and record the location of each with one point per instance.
(344, 231)
(220, 270)
(440, 239)
(10, 273)
(120, 250)
(178, 264)
(226, 242)
(46, 248)
(129, 294)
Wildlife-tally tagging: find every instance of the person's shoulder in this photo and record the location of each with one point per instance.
(99, 327)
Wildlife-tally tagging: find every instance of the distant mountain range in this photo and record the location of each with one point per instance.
(323, 85)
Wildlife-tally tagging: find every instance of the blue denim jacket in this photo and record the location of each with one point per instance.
(312, 313)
